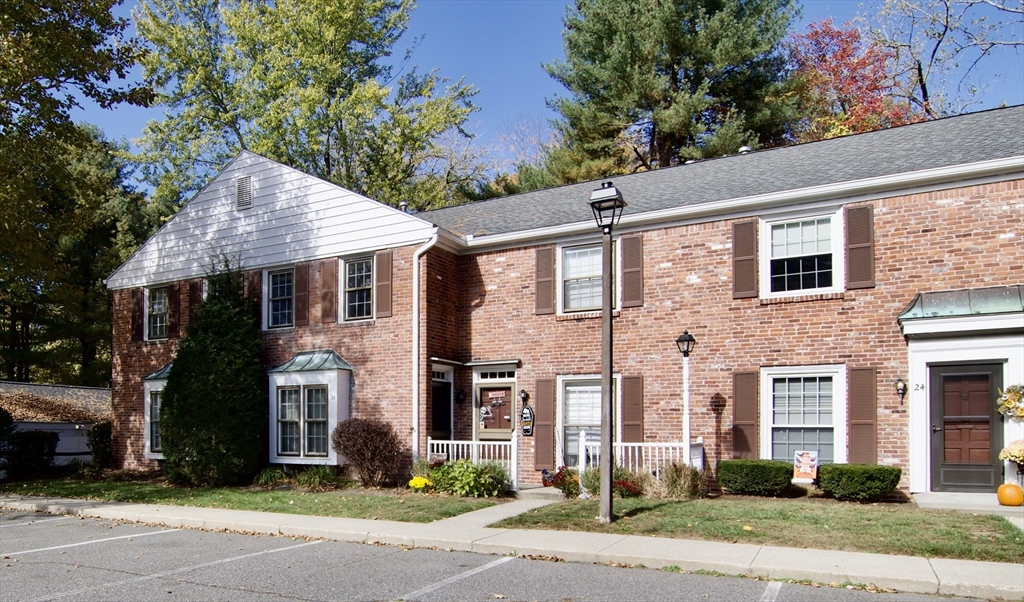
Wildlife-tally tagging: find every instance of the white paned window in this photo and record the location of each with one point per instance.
(156, 313)
(315, 421)
(152, 400)
(155, 444)
(359, 288)
(804, 410)
(581, 278)
(288, 413)
(280, 299)
(581, 407)
(802, 255)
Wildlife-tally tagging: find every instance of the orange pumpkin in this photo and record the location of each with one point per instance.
(1010, 495)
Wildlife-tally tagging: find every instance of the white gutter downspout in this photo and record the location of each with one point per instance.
(416, 343)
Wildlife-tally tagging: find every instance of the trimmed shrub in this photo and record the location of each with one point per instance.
(98, 440)
(767, 478)
(466, 479)
(858, 482)
(31, 453)
(213, 416)
(371, 447)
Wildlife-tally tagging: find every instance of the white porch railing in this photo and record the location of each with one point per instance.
(505, 453)
(643, 457)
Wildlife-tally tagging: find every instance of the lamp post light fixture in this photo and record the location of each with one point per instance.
(607, 204)
(686, 343)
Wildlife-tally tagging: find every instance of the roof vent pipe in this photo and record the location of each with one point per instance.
(744, 149)
(403, 206)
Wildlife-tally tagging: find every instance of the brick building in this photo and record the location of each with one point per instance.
(814, 277)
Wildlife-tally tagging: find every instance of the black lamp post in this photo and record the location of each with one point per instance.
(607, 204)
(686, 342)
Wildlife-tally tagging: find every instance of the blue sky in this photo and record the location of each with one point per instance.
(500, 45)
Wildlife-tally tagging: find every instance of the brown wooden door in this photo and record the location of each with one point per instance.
(496, 408)
(966, 429)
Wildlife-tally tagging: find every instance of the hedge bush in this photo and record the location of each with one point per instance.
(30, 453)
(625, 483)
(371, 448)
(767, 478)
(466, 479)
(858, 482)
(99, 442)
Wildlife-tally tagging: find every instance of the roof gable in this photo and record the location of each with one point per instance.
(293, 217)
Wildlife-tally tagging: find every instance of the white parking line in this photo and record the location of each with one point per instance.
(86, 543)
(174, 572)
(454, 578)
(36, 522)
(771, 592)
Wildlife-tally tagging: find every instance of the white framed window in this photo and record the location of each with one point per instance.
(804, 408)
(302, 416)
(580, 270)
(314, 423)
(288, 421)
(305, 407)
(280, 298)
(802, 254)
(153, 393)
(156, 313)
(357, 290)
(579, 409)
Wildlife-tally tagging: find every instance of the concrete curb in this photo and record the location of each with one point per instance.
(902, 573)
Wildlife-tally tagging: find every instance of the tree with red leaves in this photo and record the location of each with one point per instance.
(846, 87)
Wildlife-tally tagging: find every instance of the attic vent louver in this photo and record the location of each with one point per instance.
(243, 192)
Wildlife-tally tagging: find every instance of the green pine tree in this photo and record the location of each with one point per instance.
(655, 83)
(213, 416)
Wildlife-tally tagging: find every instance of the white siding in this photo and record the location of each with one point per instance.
(294, 217)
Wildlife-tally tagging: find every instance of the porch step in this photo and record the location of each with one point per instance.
(540, 493)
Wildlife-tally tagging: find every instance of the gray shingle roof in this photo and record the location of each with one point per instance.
(994, 134)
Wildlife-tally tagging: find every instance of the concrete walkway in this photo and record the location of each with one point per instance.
(469, 532)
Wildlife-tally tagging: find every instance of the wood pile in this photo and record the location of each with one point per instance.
(33, 408)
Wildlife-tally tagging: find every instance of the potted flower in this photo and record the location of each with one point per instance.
(1011, 402)
(1010, 494)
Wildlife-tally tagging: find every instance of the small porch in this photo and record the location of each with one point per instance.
(636, 457)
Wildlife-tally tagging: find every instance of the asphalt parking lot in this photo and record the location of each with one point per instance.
(47, 557)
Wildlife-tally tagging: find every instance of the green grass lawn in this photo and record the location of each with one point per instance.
(398, 505)
(798, 523)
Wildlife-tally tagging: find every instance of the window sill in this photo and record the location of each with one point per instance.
(584, 315)
(803, 298)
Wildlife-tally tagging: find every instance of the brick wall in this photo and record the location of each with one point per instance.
(950, 239)
(380, 351)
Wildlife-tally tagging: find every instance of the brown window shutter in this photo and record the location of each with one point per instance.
(301, 294)
(383, 290)
(744, 415)
(632, 270)
(329, 290)
(633, 409)
(744, 259)
(860, 247)
(195, 298)
(173, 310)
(138, 299)
(544, 425)
(253, 288)
(544, 280)
(863, 416)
